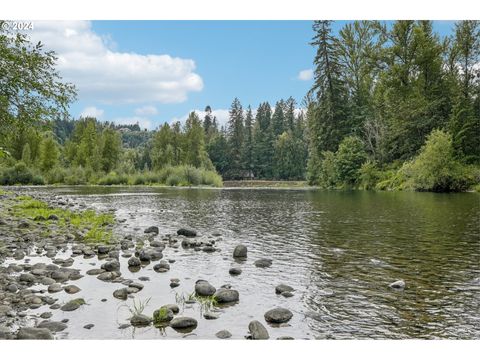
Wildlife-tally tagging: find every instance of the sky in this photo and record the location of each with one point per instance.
(153, 72)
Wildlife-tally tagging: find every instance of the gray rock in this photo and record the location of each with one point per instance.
(210, 316)
(263, 263)
(46, 315)
(162, 266)
(60, 275)
(226, 295)
(287, 294)
(73, 305)
(187, 232)
(282, 288)
(173, 307)
(55, 288)
(71, 289)
(88, 326)
(174, 283)
(399, 284)
(183, 322)
(258, 331)
(29, 333)
(53, 326)
(240, 251)
(52, 217)
(223, 334)
(121, 294)
(164, 314)
(103, 249)
(204, 288)
(278, 315)
(134, 262)
(151, 230)
(113, 265)
(140, 320)
(235, 271)
(26, 277)
(12, 288)
(108, 276)
(95, 271)
(285, 338)
(5, 332)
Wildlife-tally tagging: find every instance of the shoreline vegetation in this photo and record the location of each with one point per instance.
(392, 107)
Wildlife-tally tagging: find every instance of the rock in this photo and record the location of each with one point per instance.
(113, 265)
(53, 326)
(174, 283)
(52, 217)
(144, 256)
(95, 271)
(103, 249)
(226, 295)
(46, 315)
(144, 278)
(121, 294)
(235, 271)
(151, 230)
(162, 266)
(71, 289)
(240, 251)
(258, 331)
(5, 332)
(4, 310)
(285, 338)
(23, 224)
(140, 320)
(164, 314)
(26, 277)
(88, 326)
(282, 288)
(134, 262)
(263, 263)
(73, 305)
(157, 244)
(173, 307)
(12, 288)
(29, 333)
(187, 232)
(223, 334)
(204, 288)
(399, 284)
(210, 316)
(278, 315)
(183, 322)
(108, 276)
(136, 285)
(59, 276)
(287, 294)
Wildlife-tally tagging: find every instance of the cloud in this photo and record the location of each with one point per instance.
(92, 111)
(146, 110)
(305, 75)
(143, 122)
(101, 73)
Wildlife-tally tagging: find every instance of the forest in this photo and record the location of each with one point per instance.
(393, 106)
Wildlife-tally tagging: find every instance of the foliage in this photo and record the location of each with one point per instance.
(20, 174)
(349, 159)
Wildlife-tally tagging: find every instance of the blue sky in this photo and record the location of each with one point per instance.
(123, 76)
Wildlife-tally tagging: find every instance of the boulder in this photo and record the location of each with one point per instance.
(240, 251)
(140, 320)
(164, 314)
(113, 265)
(71, 289)
(73, 305)
(226, 295)
(53, 326)
(278, 315)
(134, 262)
(187, 232)
(235, 271)
(183, 322)
(121, 294)
(204, 288)
(258, 331)
(162, 266)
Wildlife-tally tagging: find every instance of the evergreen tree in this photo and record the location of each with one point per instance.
(235, 139)
(263, 141)
(111, 149)
(248, 142)
(49, 153)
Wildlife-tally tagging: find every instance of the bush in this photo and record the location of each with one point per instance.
(327, 172)
(369, 176)
(20, 174)
(435, 168)
(173, 180)
(348, 160)
(113, 179)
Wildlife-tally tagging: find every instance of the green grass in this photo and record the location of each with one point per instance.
(96, 224)
(137, 308)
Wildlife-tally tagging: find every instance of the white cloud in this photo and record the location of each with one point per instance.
(305, 75)
(92, 111)
(146, 110)
(101, 73)
(222, 116)
(143, 122)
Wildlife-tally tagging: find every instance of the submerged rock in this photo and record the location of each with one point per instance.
(88, 326)
(113, 265)
(134, 262)
(164, 314)
(71, 289)
(258, 331)
(73, 305)
(263, 263)
(162, 266)
(235, 271)
(278, 315)
(121, 294)
(223, 334)
(140, 320)
(53, 326)
(399, 284)
(283, 288)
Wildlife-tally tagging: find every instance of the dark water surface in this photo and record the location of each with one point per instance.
(339, 250)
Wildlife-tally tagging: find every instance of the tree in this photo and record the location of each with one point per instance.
(27, 154)
(195, 153)
(111, 149)
(49, 153)
(235, 139)
(349, 159)
(31, 90)
(263, 142)
(247, 156)
(278, 119)
(162, 149)
(289, 160)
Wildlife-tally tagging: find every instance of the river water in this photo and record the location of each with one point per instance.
(339, 250)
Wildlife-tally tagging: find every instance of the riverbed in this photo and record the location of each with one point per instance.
(339, 251)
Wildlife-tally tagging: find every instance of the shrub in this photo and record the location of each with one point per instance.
(327, 171)
(20, 174)
(348, 160)
(173, 180)
(368, 175)
(435, 168)
(113, 179)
